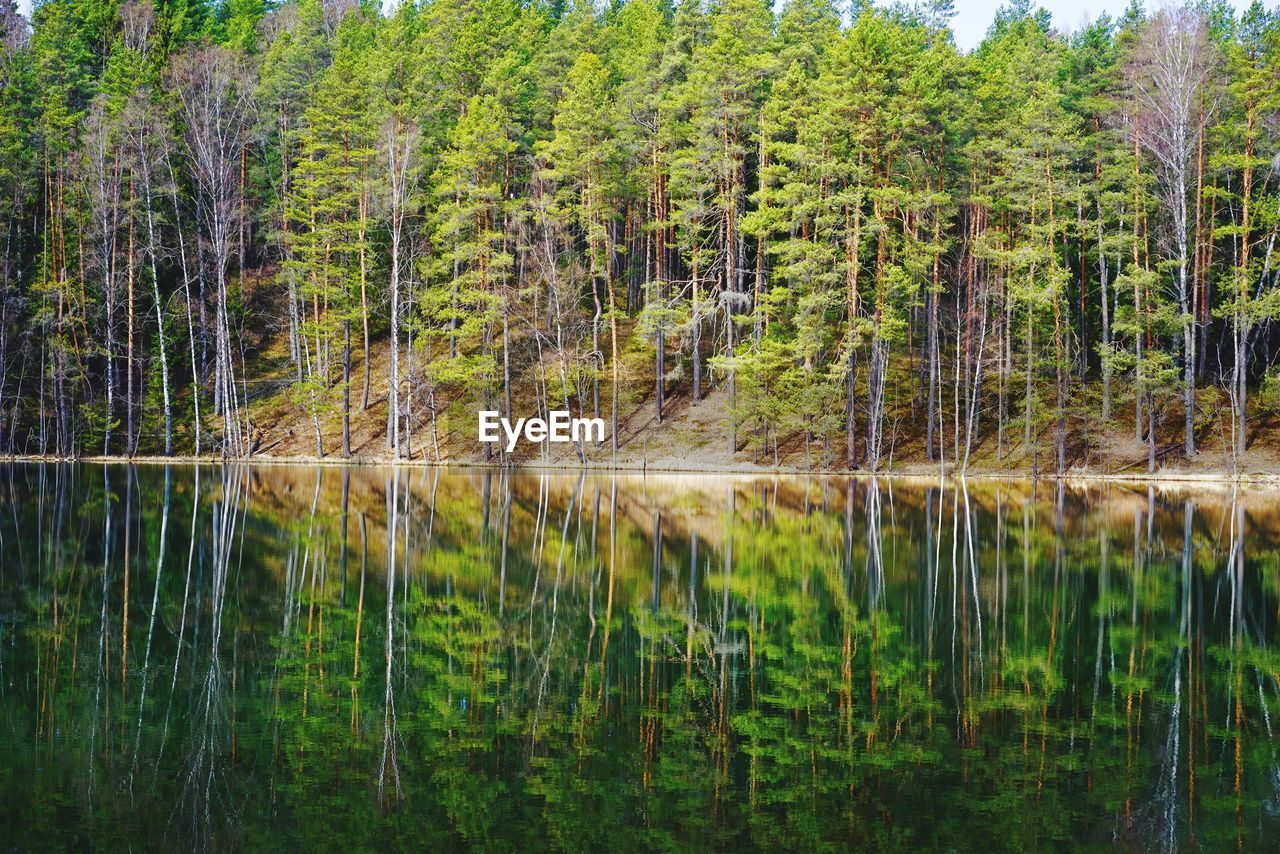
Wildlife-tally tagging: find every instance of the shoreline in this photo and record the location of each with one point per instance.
(913, 472)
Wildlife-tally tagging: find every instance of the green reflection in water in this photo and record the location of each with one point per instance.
(222, 658)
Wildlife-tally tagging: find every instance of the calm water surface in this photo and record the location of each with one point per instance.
(286, 657)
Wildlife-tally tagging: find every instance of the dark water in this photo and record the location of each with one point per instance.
(285, 658)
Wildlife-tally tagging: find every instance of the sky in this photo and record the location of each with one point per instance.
(973, 17)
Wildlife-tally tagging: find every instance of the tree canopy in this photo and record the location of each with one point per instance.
(845, 237)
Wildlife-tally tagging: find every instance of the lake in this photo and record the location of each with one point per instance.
(285, 657)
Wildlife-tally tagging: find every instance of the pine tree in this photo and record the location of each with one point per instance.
(463, 308)
(290, 68)
(1254, 93)
(329, 207)
(582, 161)
(395, 79)
(723, 95)
(1172, 63)
(636, 43)
(781, 209)
(18, 176)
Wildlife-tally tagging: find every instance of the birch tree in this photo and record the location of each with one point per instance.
(1172, 65)
(213, 87)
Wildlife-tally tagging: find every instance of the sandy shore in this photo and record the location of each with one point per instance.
(1167, 475)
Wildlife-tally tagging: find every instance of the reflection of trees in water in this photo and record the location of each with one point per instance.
(151, 622)
(390, 764)
(207, 798)
(561, 657)
(101, 694)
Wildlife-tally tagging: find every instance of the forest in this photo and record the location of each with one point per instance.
(327, 228)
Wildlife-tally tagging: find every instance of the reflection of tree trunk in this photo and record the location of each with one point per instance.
(1237, 655)
(1135, 583)
(955, 587)
(1168, 788)
(346, 512)
(875, 579)
(593, 582)
(933, 546)
(1104, 610)
(691, 608)
(151, 622)
(874, 569)
(608, 609)
(722, 724)
(846, 618)
(209, 716)
(182, 622)
(971, 553)
(657, 562)
(390, 762)
(507, 496)
(555, 609)
(355, 663)
(124, 601)
(101, 664)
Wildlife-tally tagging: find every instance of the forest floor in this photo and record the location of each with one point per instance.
(693, 437)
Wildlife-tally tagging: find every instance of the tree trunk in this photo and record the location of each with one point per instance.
(364, 300)
(131, 438)
(1106, 325)
(697, 335)
(155, 285)
(346, 388)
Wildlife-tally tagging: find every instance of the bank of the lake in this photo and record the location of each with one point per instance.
(1207, 476)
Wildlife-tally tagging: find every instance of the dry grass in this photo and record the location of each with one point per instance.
(694, 436)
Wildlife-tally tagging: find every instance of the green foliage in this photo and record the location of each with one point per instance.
(458, 660)
(838, 222)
